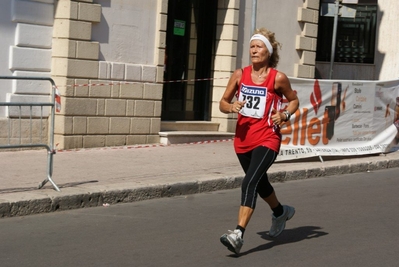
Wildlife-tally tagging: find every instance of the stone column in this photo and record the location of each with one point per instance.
(306, 43)
(225, 60)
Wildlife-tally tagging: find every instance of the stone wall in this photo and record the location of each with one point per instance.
(104, 102)
(30, 53)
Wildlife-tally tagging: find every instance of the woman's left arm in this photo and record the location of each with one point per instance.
(283, 85)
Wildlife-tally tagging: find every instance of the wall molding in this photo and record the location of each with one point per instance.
(306, 42)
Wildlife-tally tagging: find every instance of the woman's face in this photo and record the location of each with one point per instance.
(258, 52)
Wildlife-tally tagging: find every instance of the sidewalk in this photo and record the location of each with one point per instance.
(107, 176)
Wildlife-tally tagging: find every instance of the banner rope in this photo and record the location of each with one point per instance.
(142, 146)
(135, 82)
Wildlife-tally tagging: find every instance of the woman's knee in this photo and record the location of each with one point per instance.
(265, 190)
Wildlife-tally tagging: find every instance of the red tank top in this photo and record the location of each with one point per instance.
(254, 124)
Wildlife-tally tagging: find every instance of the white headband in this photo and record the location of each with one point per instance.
(264, 40)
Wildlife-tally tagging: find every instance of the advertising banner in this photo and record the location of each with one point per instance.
(342, 117)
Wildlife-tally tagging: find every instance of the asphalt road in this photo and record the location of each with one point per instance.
(347, 220)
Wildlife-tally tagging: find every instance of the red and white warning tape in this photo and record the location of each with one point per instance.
(134, 82)
(142, 146)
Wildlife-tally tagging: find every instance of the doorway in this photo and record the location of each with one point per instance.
(189, 54)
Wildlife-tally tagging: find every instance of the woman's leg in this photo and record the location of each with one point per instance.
(272, 200)
(255, 165)
(281, 213)
(244, 213)
(267, 193)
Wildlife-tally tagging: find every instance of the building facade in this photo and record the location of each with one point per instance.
(125, 67)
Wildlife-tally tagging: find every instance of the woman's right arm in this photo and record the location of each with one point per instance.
(225, 104)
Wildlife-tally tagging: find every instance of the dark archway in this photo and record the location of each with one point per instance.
(184, 15)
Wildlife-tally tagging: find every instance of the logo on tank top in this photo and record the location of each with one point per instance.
(255, 100)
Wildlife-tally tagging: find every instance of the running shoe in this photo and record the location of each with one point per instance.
(233, 240)
(278, 224)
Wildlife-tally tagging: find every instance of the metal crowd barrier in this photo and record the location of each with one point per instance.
(30, 143)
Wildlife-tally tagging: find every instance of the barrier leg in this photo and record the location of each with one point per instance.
(51, 181)
(49, 172)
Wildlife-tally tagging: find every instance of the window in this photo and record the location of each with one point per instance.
(356, 32)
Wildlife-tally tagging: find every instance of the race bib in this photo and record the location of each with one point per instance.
(255, 98)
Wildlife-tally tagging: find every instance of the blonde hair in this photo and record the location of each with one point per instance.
(274, 59)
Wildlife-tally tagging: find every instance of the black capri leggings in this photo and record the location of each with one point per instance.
(255, 164)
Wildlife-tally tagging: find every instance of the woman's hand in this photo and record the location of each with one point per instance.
(237, 106)
(278, 118)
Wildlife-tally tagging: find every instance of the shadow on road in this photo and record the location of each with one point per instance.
(27, 189)
(288, 236)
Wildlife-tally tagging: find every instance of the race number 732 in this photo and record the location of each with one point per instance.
(252, 102)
